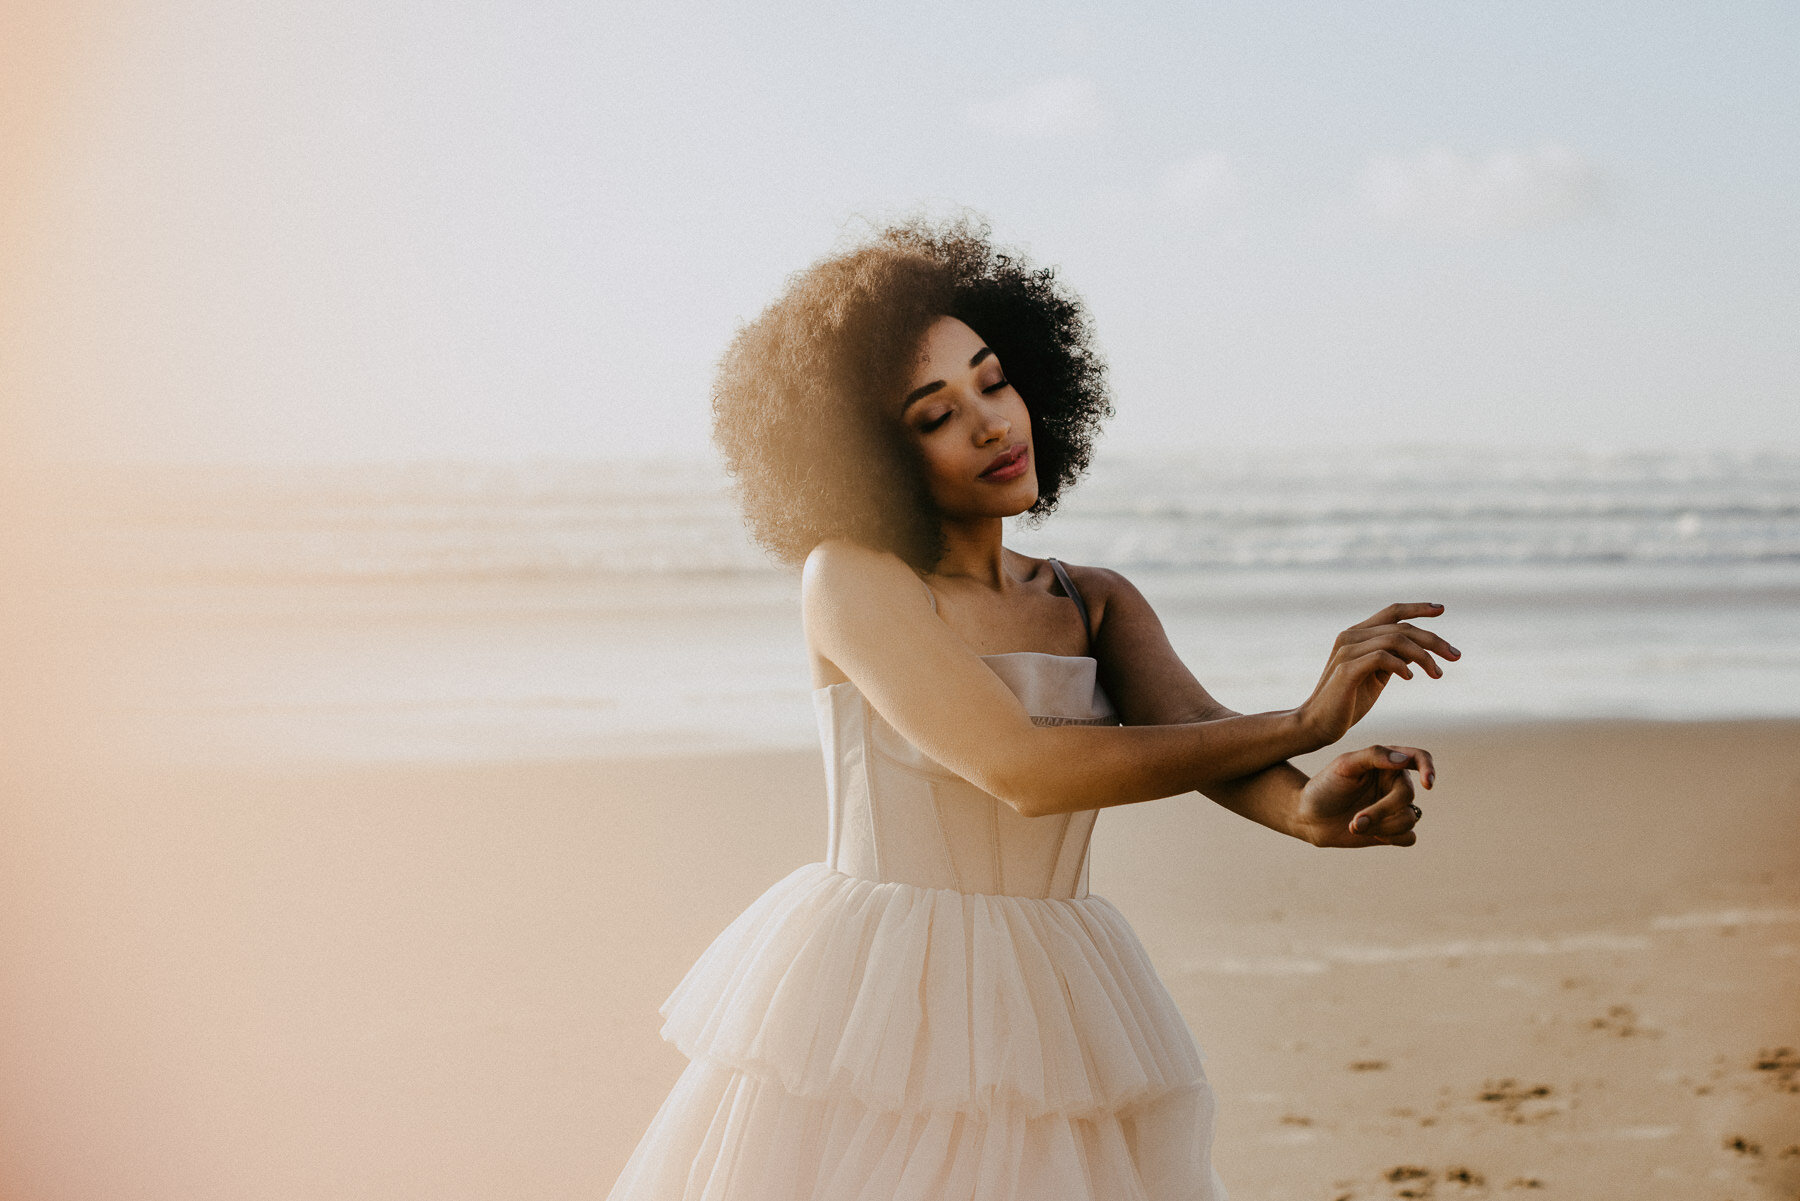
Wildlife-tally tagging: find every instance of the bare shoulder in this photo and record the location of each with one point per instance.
(1146, 679)
(848, 594)
(838, 570)
(1105, 591)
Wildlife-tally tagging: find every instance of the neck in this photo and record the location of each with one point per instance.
(972, 551)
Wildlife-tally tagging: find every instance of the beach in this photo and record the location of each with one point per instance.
(353, 825)
(411, 417)
(417, 980)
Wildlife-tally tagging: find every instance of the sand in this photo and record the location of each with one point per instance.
(440, 982)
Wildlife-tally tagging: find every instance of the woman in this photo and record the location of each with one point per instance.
(939, 1010)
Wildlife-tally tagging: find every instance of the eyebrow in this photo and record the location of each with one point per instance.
(924, 390)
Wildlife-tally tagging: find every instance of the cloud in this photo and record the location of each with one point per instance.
(1051, 108)
(1441, 191)
(1207, 185)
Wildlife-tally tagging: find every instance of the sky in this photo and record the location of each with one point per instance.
(284, 232)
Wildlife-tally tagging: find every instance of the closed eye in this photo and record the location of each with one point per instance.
(928, 426)
(997, 386)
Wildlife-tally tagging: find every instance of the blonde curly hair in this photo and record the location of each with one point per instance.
(806, 401)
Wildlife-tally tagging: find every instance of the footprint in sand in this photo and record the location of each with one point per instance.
(1410, 1181)
(1416, 1183)
(1783, 1066)
(1517, 1103)
(1622, 1020)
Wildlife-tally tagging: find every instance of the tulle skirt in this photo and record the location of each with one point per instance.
(859, 1041)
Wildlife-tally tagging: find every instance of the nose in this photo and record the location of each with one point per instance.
(993, 426)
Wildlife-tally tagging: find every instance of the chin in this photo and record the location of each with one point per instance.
(1024, 501)
(987, 503)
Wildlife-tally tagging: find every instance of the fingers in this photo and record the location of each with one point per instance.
(1382, 758)
(1388, 758)
(1392, 817)
(1409, 642)
(1380, 660)
(1421, 762)
(1429, 640)
(1402, 611)
(1409, 650)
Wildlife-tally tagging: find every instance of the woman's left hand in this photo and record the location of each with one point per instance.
(1365, 798)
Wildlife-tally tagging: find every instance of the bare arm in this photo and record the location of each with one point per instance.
(1150, 685)
(1360, 799)
(866, 612)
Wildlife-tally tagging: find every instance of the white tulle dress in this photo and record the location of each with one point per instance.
(938, 1011)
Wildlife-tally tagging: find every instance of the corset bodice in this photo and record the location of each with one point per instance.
(896, 815)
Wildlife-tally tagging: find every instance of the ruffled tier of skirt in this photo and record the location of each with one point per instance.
(724, 1135)
(922, 999)
(853, 1041)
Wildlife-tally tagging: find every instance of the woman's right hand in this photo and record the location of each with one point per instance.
(1362, 660)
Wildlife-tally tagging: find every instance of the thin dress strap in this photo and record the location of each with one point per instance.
(1068, 585)
(929, 594)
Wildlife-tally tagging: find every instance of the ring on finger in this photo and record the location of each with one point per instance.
(1416, 812)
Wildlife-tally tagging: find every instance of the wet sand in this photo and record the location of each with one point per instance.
(441, 981)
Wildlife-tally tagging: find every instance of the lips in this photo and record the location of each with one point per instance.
(1005, 460)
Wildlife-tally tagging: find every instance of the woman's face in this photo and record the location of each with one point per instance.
(971, 424)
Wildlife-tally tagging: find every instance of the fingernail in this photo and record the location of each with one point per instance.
(1359, 824)
(1397, 756)
(1454, 653)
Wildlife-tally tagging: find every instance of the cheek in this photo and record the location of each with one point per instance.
(941, 462)
(1019, 413)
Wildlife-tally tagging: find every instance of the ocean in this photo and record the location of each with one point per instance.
(566, 609)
